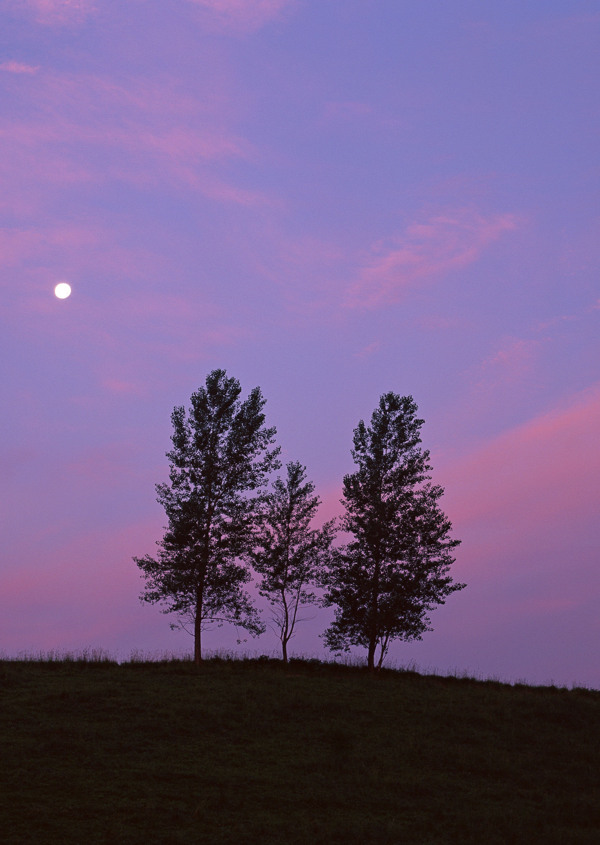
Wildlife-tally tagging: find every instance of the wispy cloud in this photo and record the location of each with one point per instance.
(12, 66)
(540, 474)
(242, 15)
(87, 246)
(119, 387)
(426, 250)
(146, 133)
(90, 129)
(56, 12)
(370, 349)
(525, 504)
(512, 362)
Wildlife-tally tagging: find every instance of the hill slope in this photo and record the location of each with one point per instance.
(254, 752)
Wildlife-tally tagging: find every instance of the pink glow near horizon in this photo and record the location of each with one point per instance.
(330, 201)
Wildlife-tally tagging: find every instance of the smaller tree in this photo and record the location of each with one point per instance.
(287, 553)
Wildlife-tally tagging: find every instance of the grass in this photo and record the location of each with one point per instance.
(251, 751)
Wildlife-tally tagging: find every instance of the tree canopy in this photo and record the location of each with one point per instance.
(287, 552)
(394, 569)
(222, 456)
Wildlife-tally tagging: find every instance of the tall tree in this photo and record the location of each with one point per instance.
(395, 568)
(287, 553)
(222, 454)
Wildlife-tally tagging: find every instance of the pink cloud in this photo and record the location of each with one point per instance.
(533, 481)
(424, 251)
(368, 350)
(525, 505)
(149, 132)
(138, 135)
(108, 465)
(244, 15)
(57, 12)
(50, 243)
(121, 387)
(19, 67)
(214, 188)
(511, 363)
(31, 160)
(191, 145)
(15, 244)
(55, 604)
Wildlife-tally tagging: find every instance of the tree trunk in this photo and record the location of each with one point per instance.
(200, 598)
(197, 641)
(285, 625)
(371, 657)
(373, 628)
(198, 625)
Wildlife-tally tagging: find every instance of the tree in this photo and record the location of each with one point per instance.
(394, 569)
(220, 459)
(287, 552)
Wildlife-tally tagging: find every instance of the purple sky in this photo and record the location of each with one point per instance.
(330, 199)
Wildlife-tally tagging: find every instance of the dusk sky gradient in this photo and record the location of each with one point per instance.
(330, 199)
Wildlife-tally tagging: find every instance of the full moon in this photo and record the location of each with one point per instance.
(62, 290)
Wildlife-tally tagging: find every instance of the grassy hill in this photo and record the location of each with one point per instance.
(256, 752)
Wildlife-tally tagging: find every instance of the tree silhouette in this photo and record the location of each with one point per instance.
(287, 552)
(394, 570)
(220, 459)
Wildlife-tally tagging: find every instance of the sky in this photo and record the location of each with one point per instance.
(330, 199)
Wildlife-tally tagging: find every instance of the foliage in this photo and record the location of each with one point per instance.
(220, 459)
(287, 553)
(246, 751)
(394, 570)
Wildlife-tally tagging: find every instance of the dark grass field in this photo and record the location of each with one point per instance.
(256, 752)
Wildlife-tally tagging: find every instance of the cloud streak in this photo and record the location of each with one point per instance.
(425, 251)
(88, 129)
(535, 479)
(56, 12)
(18, 67)
(242, 15)
(524, 505)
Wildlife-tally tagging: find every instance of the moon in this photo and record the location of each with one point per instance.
(62, 290)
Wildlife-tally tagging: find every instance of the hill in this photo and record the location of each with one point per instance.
(256, 752)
